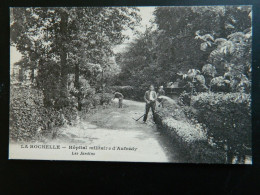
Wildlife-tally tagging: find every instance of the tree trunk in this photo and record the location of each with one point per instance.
(77, 85)
(21, 74)
(32, 75)
(63, 56)
(102, 82)
(222, 26)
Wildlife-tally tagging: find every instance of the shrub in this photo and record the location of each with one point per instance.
(96, 99)
(29, 117)
(106, 98)
(191, 138)
(228, 120)
(170, 109)
(127, 91)
(194, 81)
(99, 99)
(82, 98)
(184, 98)
(220, 84)
(209, 70)
(173, 117)
(189, 135)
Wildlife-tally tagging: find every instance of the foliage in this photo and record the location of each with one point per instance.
(187, 134)
(236, 49)
(187, 38)
(209, 72)
(62, 41)
(232, 59)
(29, 118)
(194, 81)
(106, 98)
(215, 129)
(228, 120)
(184, 98)
(172, 116)
(127, 91)
(69, 52)
(138, 65)
(184, 130)
(210, 48)
(170, 109)
(233, 72)
(220, 84)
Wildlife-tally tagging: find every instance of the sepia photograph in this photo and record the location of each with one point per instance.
(167, 84)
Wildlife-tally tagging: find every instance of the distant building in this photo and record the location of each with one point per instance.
(173, 88)
(18, 74)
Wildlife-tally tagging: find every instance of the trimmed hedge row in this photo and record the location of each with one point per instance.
(190, 136)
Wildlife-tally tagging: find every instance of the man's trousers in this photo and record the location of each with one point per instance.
(120, 102)
(147, 108)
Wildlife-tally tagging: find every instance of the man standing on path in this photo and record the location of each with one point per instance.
(160, 93)
(120, 99)
(150, 99)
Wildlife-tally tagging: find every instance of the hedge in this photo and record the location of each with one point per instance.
(127, 91)
(227, 117)
(29, 117)
(190, 136)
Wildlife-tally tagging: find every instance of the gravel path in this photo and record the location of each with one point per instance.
(115, 127)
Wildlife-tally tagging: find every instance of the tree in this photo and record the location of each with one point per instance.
(181, 25)
(63, 41)
(232, 59)
(184, 38)
(138, 64)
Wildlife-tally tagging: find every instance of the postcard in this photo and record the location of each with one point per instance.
(165, 84)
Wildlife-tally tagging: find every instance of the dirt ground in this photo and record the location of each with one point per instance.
(115, 126)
